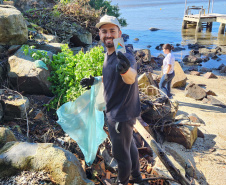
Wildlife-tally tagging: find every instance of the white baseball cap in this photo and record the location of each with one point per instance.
(106, 19)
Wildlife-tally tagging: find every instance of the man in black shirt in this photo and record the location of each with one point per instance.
(122, 100)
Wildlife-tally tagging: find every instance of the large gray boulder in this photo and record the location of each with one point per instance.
(61, 164)
(191, 60)
(13, 29)
(192, 90)
(24, 74)
(180, 78)
(6, 135)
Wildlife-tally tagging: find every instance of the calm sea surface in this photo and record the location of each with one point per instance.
(167, 15)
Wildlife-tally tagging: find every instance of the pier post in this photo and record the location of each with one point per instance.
(199, 26)
(221, 28)
(184, 24)
(209, 26)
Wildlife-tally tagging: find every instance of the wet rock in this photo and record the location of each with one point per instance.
(158, 61)
(125, 37)
(130, 46)
(139, 54)
(191, 60)
(154, 29)
(180, 78)
(219, 59)
(209, 75)
(192, 90)
(148, 46)
(205, 58)
(6, 135)
(215, 57)
(176, 49)
(221, 49)
(136, 39)
(147, 56)
(61, 164)
(159, 47)
(153, 63)
(206, 51)
(161, 56)
(194, 52)
(195, 46)
(204, 69)
(223, 70)
(193, 68)
(15, 30)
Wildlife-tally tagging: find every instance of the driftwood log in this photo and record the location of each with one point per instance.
(176, 174)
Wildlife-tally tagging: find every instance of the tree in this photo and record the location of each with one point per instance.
(108, 9)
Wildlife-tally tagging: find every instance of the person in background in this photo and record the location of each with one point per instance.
(122, 100)
(168, 70)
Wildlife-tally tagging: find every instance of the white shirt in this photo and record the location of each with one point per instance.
(169, 59)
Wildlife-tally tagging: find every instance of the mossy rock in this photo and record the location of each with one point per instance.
(6, 135)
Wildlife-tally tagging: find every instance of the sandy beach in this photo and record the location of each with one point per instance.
(208, 155)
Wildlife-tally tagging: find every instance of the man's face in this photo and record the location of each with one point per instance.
(107, 33)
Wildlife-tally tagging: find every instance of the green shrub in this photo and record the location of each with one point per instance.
(67, 70)
(108, 9)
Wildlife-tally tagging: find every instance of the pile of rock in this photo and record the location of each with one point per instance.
(198, 93)
(201, 54)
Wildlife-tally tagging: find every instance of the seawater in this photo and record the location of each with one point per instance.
(168, 16)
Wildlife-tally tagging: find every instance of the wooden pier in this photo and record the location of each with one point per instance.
(203, 20)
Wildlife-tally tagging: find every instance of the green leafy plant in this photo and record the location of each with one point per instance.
(68, 69)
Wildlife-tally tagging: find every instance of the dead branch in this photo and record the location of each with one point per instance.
(176, 174)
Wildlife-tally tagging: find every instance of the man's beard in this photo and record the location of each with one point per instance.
(108, 45)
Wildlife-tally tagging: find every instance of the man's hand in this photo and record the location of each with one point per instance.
(166, 77)
(123, 63)
(87, 82)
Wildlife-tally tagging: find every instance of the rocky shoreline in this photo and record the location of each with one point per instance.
(30, 132)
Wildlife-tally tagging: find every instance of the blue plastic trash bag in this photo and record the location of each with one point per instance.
(83, 120)
(40, 64)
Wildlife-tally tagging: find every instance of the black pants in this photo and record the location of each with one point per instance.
(124, 150)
